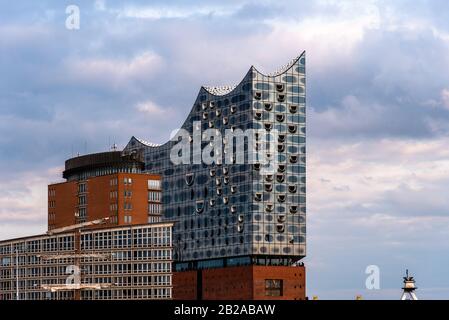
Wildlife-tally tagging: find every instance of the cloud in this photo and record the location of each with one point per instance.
(151, 109)
(445, 98)
(115, 72)
(100, 5)
(23, 203)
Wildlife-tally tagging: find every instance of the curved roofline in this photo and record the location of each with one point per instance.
(147, 143)
(205, 88)
(283, 69)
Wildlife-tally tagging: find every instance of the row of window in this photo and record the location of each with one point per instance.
(148, 236)
(154, 208)
(116, 294)
(154, 196)
(97, 269)
(154, 184)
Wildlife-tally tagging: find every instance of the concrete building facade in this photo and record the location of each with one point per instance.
(113, 263)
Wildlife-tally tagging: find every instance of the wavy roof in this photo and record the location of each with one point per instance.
(149, 144)
(224, 90)
(220, 90)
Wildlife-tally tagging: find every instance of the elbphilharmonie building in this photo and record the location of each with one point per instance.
(230, 213)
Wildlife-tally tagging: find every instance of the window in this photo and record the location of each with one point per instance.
(82, 200)
(82, 188)
(82, 212)
(154, 196)
(113, 182)
(273, 287)
(154, 208)
(154, 184)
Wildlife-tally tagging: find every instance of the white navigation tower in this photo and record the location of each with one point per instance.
(409, 288)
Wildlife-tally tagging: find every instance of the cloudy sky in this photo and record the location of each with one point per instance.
(378, 113)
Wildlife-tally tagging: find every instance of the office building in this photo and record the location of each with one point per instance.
(105, 184)
(120, 263)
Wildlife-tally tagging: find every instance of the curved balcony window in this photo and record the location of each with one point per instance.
(279, 87)
(280, 228)
(200, 206)
(293, 108)
(292, 128)
(280, 178)
(282, 218)
(281, 97)
(190, 179)
(280, 117)
(293, 158)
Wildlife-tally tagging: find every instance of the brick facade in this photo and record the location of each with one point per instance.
(105, 197)
(239, 283)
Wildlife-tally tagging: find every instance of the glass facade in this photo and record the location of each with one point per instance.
(229, 214)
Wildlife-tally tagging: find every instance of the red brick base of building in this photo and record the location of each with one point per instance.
(241, 283)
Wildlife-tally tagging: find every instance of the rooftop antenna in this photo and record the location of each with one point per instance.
(409, 288)
(114, 147)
